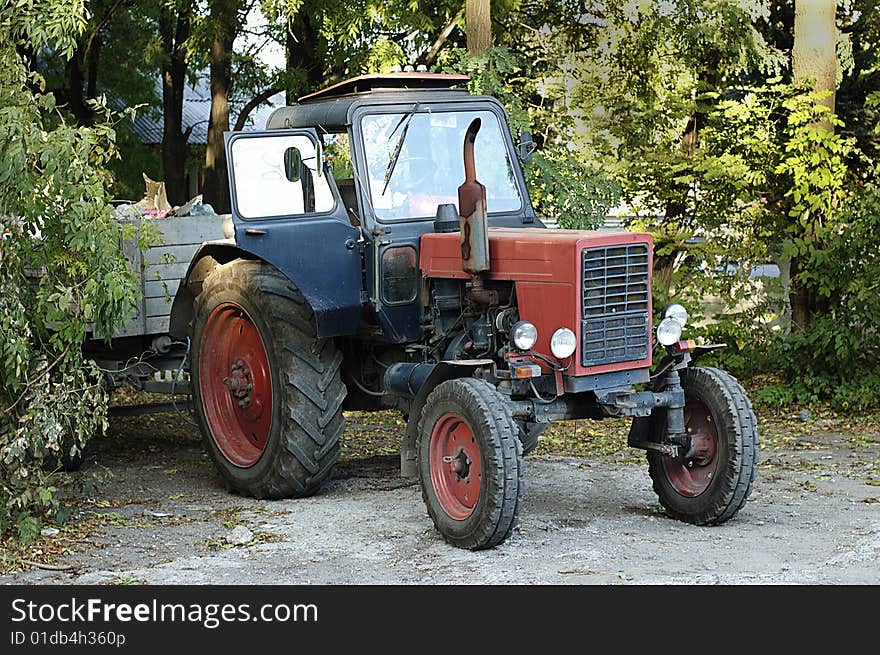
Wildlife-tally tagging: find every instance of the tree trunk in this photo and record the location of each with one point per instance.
(302, 53)
(444, 35)
(94, 55)
(814, 54)
(478, 25)
(174, 31)
(813, 57)
(216, 187)
(252, 104)
(74, 91)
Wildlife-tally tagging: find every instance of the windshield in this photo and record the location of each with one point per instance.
(414, 162)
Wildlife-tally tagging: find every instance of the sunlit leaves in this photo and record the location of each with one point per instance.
(61, 269)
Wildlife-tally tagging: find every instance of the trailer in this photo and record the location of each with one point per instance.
(142, 353)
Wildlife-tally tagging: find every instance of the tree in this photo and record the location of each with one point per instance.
(330, 40)
(814, 54)
(223, 25)
(814, 62)
(175, 28)
(55, 219)
(479, 26)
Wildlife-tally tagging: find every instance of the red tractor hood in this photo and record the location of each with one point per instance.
(521, 253)
(546, 266)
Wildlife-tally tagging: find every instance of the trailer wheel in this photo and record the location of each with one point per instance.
(268, 392)
(470, 463)
(710, 483)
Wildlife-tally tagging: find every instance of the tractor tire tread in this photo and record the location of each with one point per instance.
(506, 500)
(312, 394)
(739, 477)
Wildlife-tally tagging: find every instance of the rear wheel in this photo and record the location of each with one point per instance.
(268, 392)
(711, 482)
(470, 463)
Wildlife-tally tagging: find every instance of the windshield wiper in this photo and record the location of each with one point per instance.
(389, 171)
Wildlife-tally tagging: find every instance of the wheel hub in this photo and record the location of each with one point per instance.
(239, 381)
(692, 473)
(235, 384)
(456, 466)
(460, 464)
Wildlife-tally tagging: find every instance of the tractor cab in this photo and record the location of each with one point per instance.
(393, 144)
(362, 168)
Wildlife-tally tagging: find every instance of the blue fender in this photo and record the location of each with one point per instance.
(335, 301)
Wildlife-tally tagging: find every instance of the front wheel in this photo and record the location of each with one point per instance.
(711, 482)
(470, 463)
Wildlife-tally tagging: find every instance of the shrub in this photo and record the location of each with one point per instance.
(61, 270)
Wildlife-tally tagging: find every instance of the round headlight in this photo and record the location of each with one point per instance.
(563, 343)
(669, 331)
(524, 335)
(677, 312)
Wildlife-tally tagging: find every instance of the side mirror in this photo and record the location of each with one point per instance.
(293, 164)
(526, 147)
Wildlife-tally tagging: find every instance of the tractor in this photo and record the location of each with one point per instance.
(383, 253)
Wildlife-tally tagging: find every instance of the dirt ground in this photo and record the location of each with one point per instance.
(149, 508)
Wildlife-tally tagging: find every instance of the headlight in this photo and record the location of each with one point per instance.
(669, 331)
(563, 343)
(524, 335)
(677, 312)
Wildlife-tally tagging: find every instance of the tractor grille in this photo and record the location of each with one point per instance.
(616, 304)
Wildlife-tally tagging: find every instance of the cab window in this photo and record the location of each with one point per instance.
(277, 176)
(414, 162)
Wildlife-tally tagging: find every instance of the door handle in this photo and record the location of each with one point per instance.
(254, 232)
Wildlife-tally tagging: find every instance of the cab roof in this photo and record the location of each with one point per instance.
(330, 109)
(387, 82)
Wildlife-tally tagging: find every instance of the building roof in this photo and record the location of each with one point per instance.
(148, 124)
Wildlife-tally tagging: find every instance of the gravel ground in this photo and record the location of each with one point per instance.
(150, 509)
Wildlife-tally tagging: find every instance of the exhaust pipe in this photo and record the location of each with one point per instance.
(472, 211)
(405, 378)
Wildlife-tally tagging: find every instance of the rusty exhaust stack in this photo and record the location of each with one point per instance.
(472, 210)
(474, 223)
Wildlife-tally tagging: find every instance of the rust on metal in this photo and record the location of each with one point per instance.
(472, 210)
(480, 294)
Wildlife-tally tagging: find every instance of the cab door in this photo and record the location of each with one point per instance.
(286, 210)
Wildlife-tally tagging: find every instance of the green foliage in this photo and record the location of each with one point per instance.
(732, 168)
(348, 38)
(60, 267)
(563, 188)
(770, 183)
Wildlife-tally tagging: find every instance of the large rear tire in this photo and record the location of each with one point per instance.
(268, 392)
(470, 463)
(711, 483)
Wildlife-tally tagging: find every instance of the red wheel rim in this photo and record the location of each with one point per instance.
(692, 474)
(456, 467)
(235, 385)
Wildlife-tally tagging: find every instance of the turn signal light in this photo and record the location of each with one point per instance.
(684, 346)
(525, 370)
